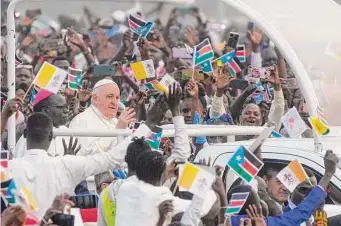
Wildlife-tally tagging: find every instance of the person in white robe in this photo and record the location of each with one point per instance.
(101, 115)
(46, 177)
(54, 105)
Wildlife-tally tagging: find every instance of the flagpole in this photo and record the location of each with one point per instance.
(11, 68)
(28, 90)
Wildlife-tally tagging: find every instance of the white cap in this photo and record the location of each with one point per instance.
(103, 82)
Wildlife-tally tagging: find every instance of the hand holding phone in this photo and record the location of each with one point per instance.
(85, 201)
(104, 69)
(233, 40)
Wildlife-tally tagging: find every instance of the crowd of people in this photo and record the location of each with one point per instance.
(136, 181)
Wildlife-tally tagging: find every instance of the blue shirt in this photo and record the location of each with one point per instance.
(294, 217)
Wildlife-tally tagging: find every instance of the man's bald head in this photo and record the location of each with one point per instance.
(106, 97)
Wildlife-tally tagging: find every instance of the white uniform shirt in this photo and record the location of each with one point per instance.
(46, 177)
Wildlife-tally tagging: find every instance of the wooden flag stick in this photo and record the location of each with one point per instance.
(28, 90)
(176, 186)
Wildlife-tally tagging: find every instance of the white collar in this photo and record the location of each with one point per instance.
(36, 152)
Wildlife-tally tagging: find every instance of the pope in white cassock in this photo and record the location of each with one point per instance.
(101, 115)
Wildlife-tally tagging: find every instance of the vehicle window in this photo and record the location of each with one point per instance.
(334, 193)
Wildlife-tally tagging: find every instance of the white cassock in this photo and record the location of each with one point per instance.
(93, 120)
(56, 147)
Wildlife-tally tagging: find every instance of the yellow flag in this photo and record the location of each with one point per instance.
(30, 201)
(320, 126)
(50, 77)
(143, 69)
(195, 180)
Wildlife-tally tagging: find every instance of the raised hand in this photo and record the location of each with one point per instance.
(158, 40)
(245, 222)
(192, 89)
(75, 39)
(222, 78)
(157, 111)
(166, 207)
(128, 38)
(139, 99)
(84, 93)
(144, 47)
(13, 215)
(192, 36)
(254, 212)
(330, 162)
(72, 149)
(174, 98)
(11, 107)
(126, 118)
(256, 37)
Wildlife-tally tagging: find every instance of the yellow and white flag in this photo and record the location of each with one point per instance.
(30, 201)
(143, 69)
(195, 180)
(50, 77)
(166, 81)
(292, 175)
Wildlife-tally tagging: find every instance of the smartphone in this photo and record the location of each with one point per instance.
(256, 72)
(239, 84)
(233, 40)
(104, 69)
(135, 126)
(181, 53)
(53, 45)
(186, 11)
(63, 219)
(174, 34)
(85, 201)
(250, 26)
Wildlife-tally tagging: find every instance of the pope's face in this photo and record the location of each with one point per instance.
(106, 100)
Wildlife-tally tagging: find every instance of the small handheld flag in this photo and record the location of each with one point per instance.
(235, 66)
(206, 67)
(50, 77)
(292, 175)
(154, 140)
(143, 69)
(4, 159)
(74, 78)
(202, 52)
(165, 82)
(29, 199)
(195, 180)
(225, 59)
(245, 164)
(34, 93)
(139, 26)
(320, 125)
(240, 53)
(236, 203)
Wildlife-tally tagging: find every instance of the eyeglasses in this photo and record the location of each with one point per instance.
(62, 107)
